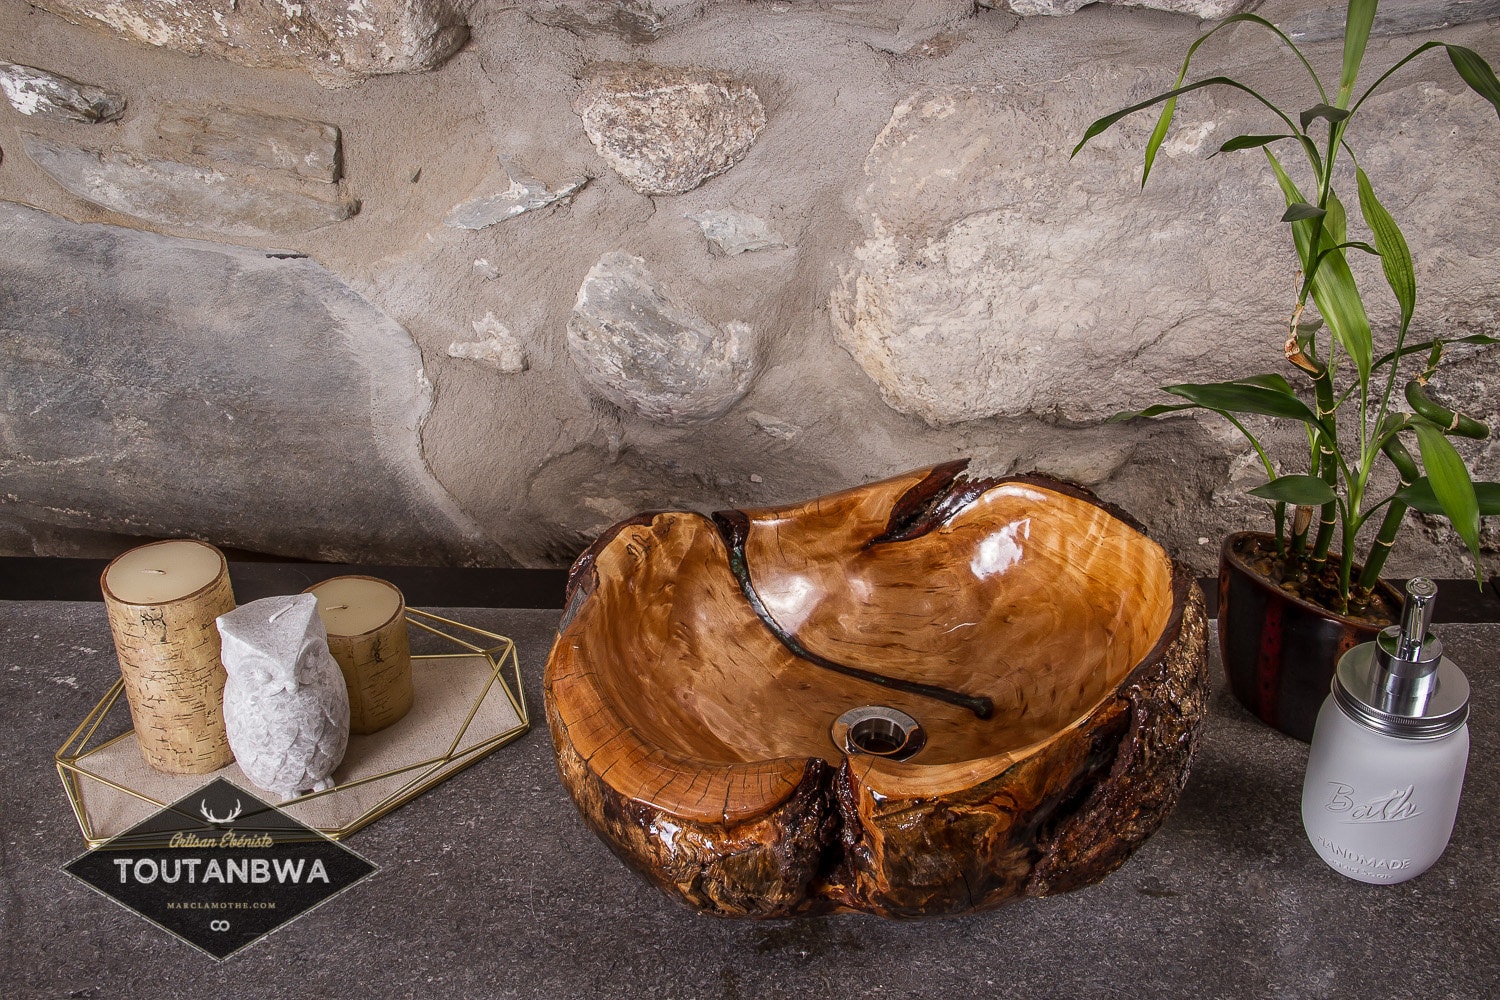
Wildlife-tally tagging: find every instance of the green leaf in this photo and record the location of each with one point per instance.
(1476, 73)
(1419, 496)
(1300, 210)
(1305, 491)
(1271, 381)
(1451, 485)
(1356, 37)
(1150, 411)
(1158, 135)
(1477, 338)
(1333, 287)
(1240, 142)
(1215, 81)
(1395, 255)
(1338, 219)
(1317, 111)
(1245, 397)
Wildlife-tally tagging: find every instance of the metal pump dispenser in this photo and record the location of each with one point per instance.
(1386, 767)
(1401, 684)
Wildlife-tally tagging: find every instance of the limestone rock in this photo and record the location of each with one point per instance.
(1205, 9)
(180, 194)
(998, 277)
(338, 40)
(1322, 22)
(153, 383)
(648, 353)
(497, 347)
(664, 129)
(637, 21)
(774, 426)
(523, 194)
(54, 97)
(730, 232)
(249, 139)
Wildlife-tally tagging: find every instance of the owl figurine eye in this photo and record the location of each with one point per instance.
(286, 709)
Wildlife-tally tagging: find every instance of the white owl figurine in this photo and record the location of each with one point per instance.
(286, 708)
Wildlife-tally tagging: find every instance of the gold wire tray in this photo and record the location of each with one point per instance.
(468, 703)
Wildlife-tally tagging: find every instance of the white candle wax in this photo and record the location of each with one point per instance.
(354, 605)
(162, 571)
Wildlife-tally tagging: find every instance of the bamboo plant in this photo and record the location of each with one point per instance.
(1351, 422)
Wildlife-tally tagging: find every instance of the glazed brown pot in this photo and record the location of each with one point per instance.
(1279, 650)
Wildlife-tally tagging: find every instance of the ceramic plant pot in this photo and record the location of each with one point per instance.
(1279, 650)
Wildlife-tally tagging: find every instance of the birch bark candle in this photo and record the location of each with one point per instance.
(162, 600)
(366, 622)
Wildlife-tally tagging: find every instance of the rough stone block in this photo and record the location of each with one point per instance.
(523, 193)
(337, 40)
(1324, 22)
(250, 139)
(665, 129)
(643, 350)
(998, 277)
(162, 386)
(731, 232)
(54, 97)
(179, 194)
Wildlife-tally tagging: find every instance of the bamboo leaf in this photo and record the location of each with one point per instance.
(1104, 123)
(1395, 255)
(1300, 210)
(1450, 482)
(1240, 142)
(1419, 496)
(1477, 338)
(1242, 397)
(1337, 222)
(1356, 37)
(1158, 136)
(1317, 111)
(1150, 411)
(1305, 491)
(1272, 381)
(1476, 73)
(1333, 287)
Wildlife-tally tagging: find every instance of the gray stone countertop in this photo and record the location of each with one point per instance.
(491, 886)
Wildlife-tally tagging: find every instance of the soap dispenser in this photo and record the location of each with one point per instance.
(1389, 752)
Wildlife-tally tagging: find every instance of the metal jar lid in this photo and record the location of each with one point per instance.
(1358, 690)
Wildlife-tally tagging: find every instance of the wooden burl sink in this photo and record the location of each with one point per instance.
(732, 698)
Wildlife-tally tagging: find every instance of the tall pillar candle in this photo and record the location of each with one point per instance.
(162, 600)
(366, 622)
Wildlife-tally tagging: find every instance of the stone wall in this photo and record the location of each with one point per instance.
(431, 282)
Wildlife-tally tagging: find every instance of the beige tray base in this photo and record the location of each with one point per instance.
(423, 748)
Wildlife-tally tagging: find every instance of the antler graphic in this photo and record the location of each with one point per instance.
(203, 808)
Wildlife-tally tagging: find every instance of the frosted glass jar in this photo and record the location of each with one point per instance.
(1380, 808)
(1384, 774)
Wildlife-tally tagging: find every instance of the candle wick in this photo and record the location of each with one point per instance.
(280, 613)
(339, 607)
(155, 572)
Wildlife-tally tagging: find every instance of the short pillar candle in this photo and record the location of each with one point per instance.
(366, 622)
(162, 600)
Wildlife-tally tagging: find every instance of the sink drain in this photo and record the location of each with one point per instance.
(878, 731)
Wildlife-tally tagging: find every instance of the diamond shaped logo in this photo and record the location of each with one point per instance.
(220, 868)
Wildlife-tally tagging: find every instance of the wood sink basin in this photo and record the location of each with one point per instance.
(727, 694)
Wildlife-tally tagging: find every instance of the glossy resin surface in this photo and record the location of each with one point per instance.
(1051, 653)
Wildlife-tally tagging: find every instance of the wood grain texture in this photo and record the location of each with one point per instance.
(702, 663)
